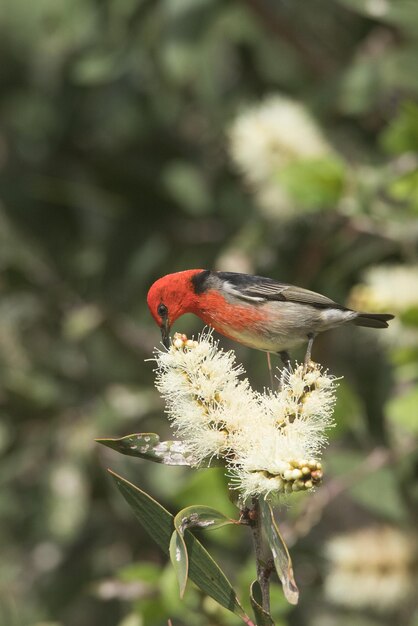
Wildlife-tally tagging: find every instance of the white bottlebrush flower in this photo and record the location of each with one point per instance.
(268, 137)
(269, 442)
(205, 398)
(285, 445)
(372, 568)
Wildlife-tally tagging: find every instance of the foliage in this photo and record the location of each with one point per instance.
(115, 169)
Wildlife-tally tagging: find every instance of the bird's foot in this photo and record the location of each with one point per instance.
(307, 360)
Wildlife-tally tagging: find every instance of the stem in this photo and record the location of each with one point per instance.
(263, 573)
(314, 59)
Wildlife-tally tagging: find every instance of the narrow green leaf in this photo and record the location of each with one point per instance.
(156, 520)
(281, 556)
(197, 516)
(179, 559)
(261, 616)
(148, 446)
(159, 524)
(200, 516)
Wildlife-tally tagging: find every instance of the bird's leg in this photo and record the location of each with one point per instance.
(270, 370)
(311, 337)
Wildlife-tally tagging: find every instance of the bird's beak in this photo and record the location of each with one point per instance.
(165, 333)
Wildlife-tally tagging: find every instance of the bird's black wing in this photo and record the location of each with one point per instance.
(260, 289)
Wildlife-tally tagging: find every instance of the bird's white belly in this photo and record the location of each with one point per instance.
(264, 341)
(286, 325)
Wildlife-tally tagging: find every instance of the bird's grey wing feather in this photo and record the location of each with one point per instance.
(257, 289)
(305, 296)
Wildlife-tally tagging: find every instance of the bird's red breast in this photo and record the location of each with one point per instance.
(214, 309)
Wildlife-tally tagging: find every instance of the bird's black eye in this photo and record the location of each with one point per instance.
(162, 310)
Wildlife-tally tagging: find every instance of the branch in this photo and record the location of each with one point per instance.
(263, 571)
(280, 27)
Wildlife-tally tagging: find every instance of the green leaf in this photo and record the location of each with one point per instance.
(199, 516)
(410, 316)
(379, 493)
(404, 189)
(97, 67)
(179, 559)
(261, 616)
(148, 446)
(159, 524)
(402, 133)
(281, 556)
(186, 185)
(377, 490)
(402, 410)
(156, 520)
(314, 183)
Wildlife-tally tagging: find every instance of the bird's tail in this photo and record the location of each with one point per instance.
(373, 320)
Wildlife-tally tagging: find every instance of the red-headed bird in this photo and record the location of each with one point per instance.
(258, 312)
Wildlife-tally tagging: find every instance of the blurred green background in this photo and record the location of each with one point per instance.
(142, 137)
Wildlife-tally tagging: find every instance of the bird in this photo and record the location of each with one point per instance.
(258, 312)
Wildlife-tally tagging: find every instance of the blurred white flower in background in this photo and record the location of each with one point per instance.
(270, 442)
(267, 138)
(385, 287)
(234, 260)
(273, 134)
(392, 288)
(372, 568)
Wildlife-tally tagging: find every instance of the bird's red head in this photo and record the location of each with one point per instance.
(170, 297)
